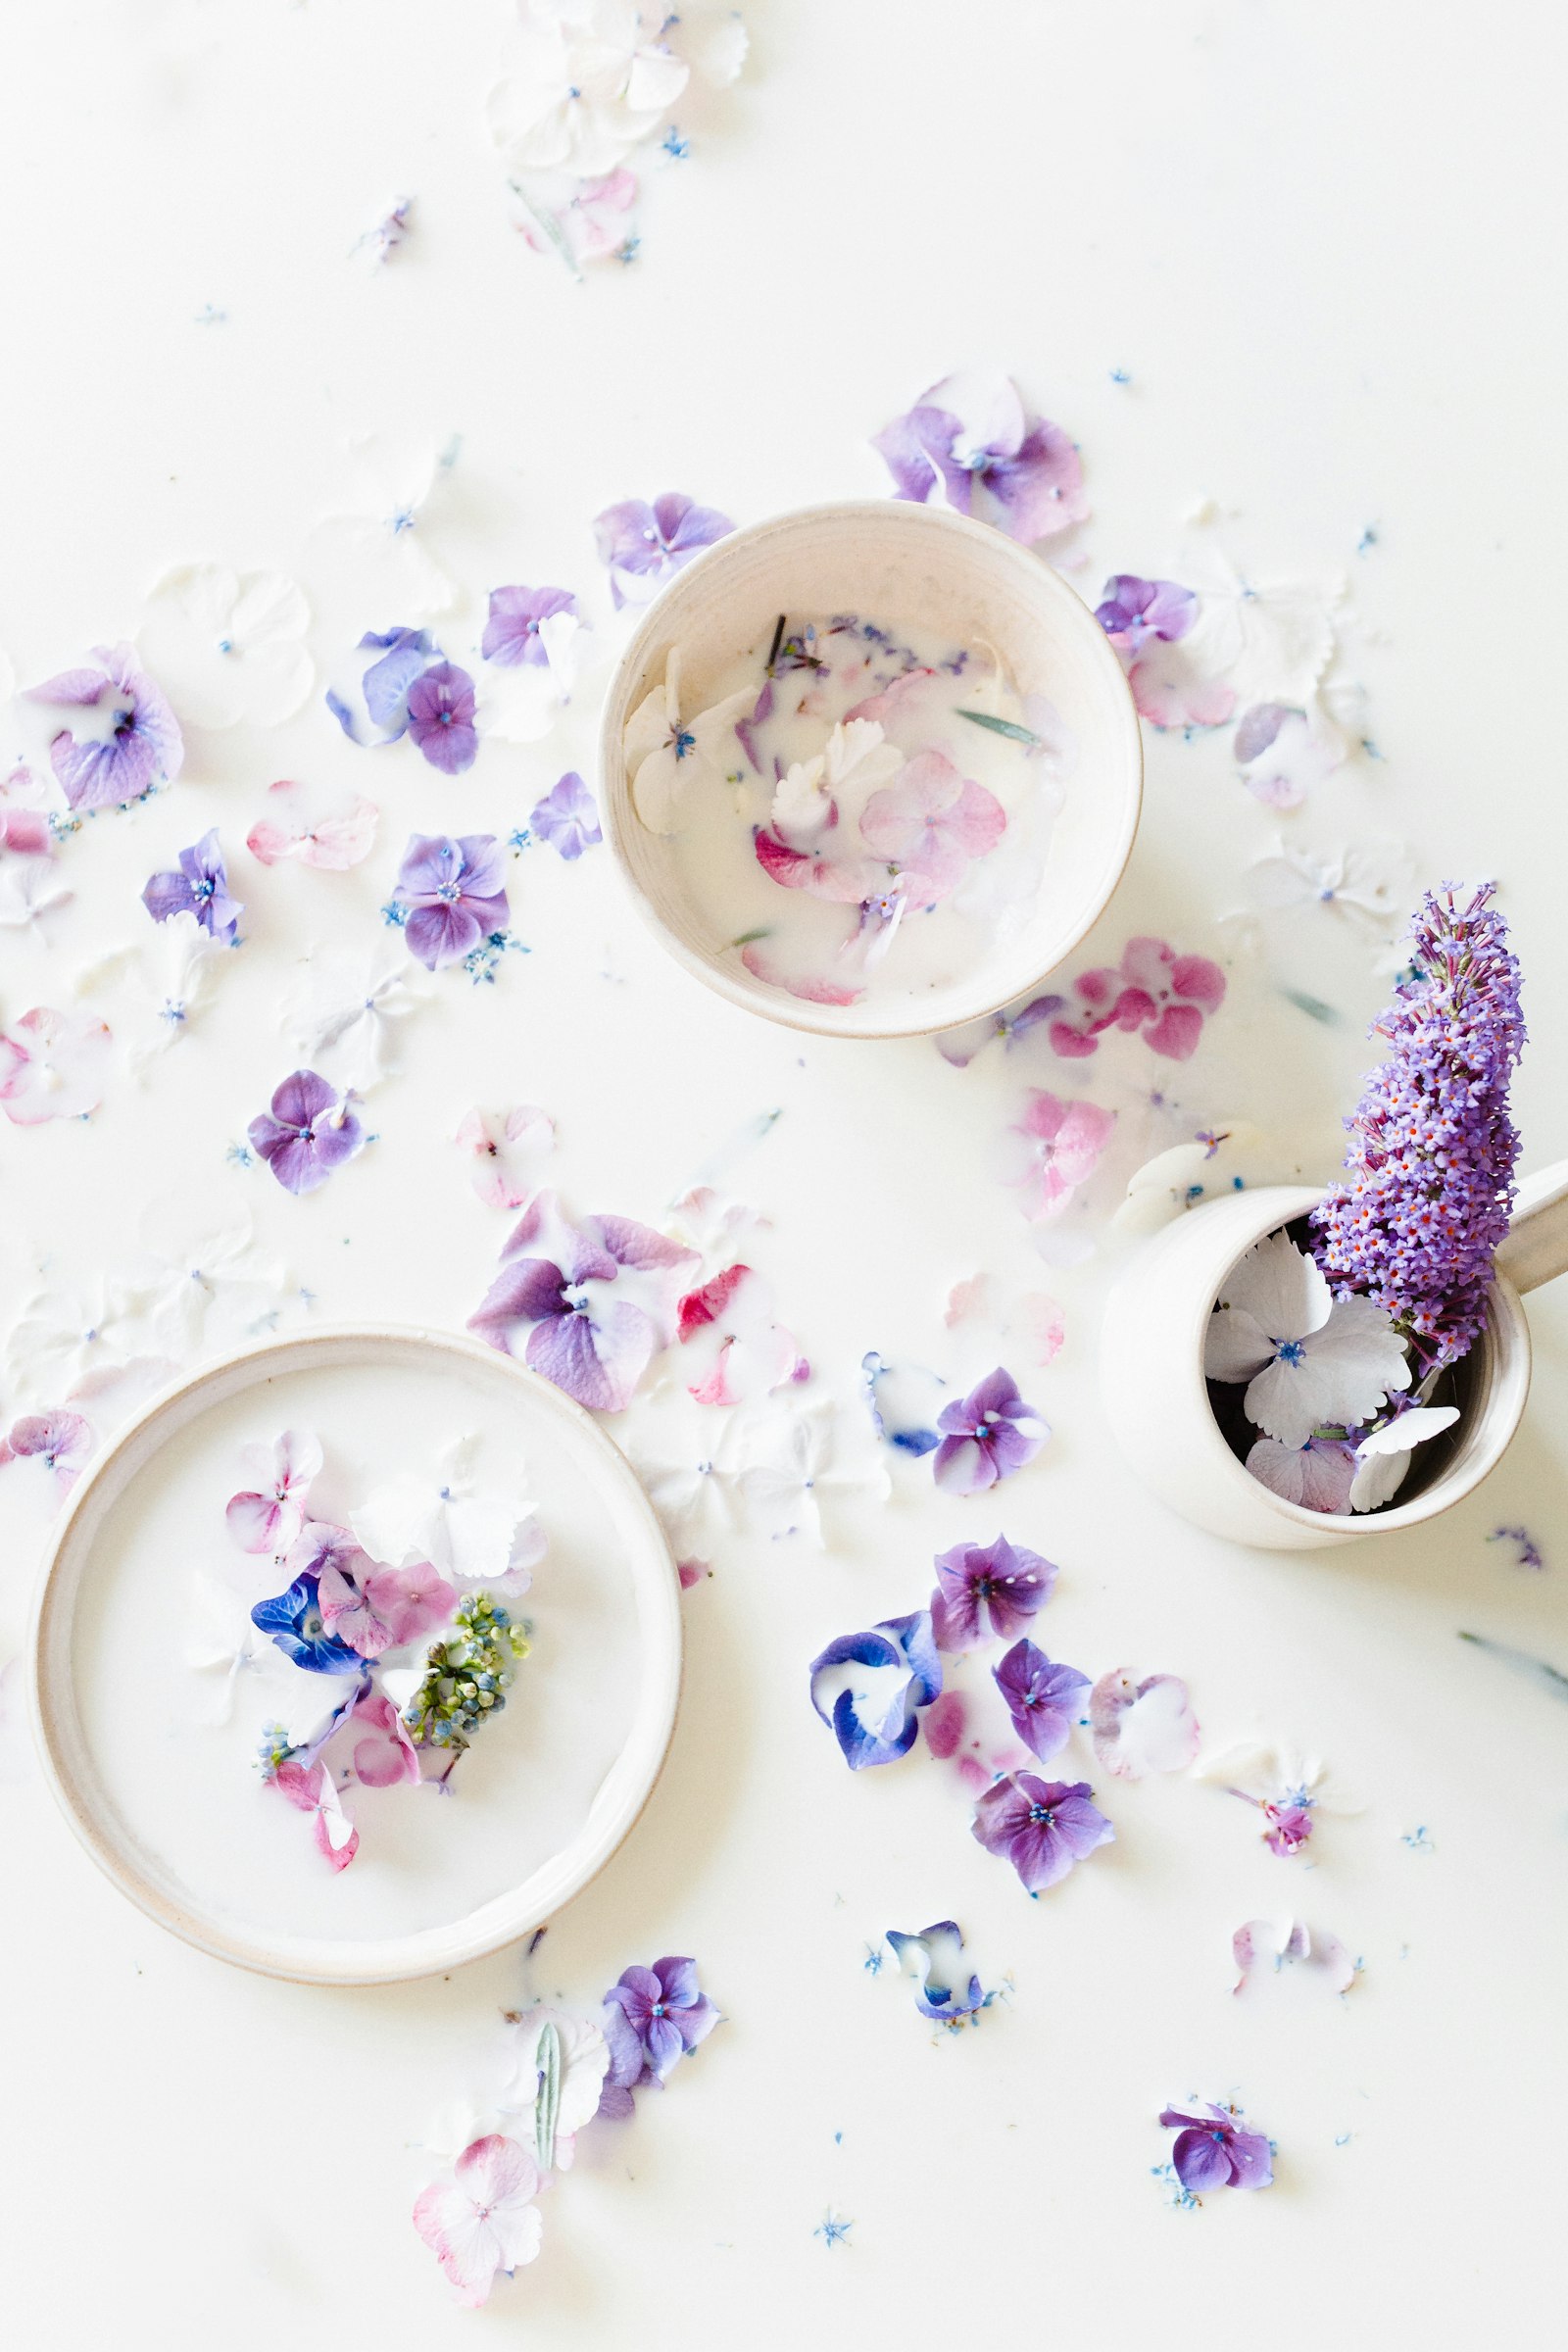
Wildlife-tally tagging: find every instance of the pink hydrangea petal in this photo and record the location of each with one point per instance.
(811, 991)
(1176, 1032)
(1200, 980)
(257, 1523)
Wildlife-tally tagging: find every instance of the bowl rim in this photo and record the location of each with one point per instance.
(754, 995)
(488, 1927)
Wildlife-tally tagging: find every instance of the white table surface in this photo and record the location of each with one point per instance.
(1322, 245)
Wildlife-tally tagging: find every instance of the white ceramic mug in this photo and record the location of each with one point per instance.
(1156, 1397)
(935, 573)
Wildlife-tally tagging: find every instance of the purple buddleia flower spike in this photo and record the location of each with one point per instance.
(1429, 1178)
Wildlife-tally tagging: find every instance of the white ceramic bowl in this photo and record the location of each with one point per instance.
(170, 1811)
(930, 570)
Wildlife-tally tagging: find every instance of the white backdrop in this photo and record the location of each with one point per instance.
(1323, 249)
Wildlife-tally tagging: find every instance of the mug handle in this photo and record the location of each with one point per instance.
(1536, 1249)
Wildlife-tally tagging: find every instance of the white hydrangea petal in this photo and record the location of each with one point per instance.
(1280, 1285)
(1341, 1376)
(518, 704)
(716, 50)
(1317, 1477)
(1414, 1428)
(801, 804)
(987, 406)
(1383, 1460)
(1235, 1346)
(269, 610)
(655, 718)
(392, 1523)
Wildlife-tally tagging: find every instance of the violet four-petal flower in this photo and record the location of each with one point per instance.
(308, 1131)
(641, 544)
(1212, 2152)
(453, 893)
(568, 817)
(986, 1590)
(987, 1437)
(1043, 1827)
(654, 2017)
(512, 628)
(967, 430)
(440, 718)
(1134, 609)
(1042, 1698)
(589, 1338)
(200, 888)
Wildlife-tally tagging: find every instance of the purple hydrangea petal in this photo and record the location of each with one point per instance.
(904, 454)
(568, 817)
(166, 895)
(483, 869)
(661, 2039)
(635, 1993)
(677, 1979)
(1042, 1698)
(386, 684)
(1202, 2160)
(899, 1642)
(441, 933)
(1252, 2161)
(523, 1291)
(599, 1359)
(440, 718)
(512, 629)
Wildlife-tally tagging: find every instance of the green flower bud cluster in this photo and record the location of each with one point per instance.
(275, 1748)
(466, 1675)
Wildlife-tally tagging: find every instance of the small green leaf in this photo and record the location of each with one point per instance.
(1002, 726)
(746, 938)
(1313, 1006)
(547, 2105)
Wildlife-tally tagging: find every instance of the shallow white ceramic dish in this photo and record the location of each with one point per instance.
(926, 570)
(175, 1813)
(1156, 1397)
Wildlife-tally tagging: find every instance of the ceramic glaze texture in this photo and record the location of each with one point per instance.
(951, 580)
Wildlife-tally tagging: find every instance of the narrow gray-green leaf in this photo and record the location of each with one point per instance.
(1001, 726)
(1551, 1677)
(547, 2105)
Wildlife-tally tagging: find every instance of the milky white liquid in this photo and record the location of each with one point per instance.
(804, 944)
(189, 1792)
